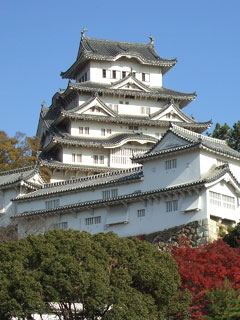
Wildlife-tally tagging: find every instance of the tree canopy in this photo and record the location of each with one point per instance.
(231, 135)
(17, 152)
(82, 276)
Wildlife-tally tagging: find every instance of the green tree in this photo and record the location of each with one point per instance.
(81, 276)
(223, 303)
(231, 135)
(233, 236)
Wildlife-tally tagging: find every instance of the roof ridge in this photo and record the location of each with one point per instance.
(23, 169)
(93, 177)
(116, 41)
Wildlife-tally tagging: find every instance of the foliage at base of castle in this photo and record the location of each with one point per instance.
(223, 303)
(205, 269)
(81, 276)
(233, 236)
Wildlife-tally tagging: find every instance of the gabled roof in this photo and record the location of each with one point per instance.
(131, 83)
(92, 102)
(188, 140)
(107, 50)
(214, 175)
(21, 176)
(135, 120)
(153, 92)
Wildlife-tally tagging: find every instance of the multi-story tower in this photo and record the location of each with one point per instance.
(115, 108)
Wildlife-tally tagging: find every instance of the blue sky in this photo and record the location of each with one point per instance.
(39, 39)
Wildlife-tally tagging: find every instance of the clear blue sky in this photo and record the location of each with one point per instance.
(39, 39)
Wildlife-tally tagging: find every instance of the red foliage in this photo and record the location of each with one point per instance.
(205, 268)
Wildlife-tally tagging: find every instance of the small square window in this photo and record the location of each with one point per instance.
(123, 74)
(86, 130)
(103, 131)
(104, 73)
(114, 74)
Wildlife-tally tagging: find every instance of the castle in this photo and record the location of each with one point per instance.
(122, 154)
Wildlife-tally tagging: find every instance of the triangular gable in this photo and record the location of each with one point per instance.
(95, 106)
(227, 179)
(130, 83)
(168, 141)
(171, 112)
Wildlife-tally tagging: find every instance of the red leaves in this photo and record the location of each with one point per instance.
(205, 268)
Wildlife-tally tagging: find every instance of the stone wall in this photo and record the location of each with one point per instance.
(198, 232)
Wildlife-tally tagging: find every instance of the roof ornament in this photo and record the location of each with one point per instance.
(43, 103)
(172, 101)
(83, 32)
(151, 40)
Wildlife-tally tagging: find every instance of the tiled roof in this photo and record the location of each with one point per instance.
(136, 120)
(112, 141)
(194, 139)
(13, 177)
(99, 180)
(213, 175)
(154, 92)
(107, 50)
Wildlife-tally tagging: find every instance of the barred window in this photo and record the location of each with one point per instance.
(171, 164)
(221, 200)
(124, 155)
(104, 73)
(60, 226)
(141, 213)
(103, 131)
(52, 204)
(107, 194)
(171, 205)
(98, 159)
(93, 220)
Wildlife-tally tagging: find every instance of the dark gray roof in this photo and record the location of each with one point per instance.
(193, 139)
(97, 49)
(74, 185)
(136, 120)
(16, 176)
(213, 175)
(154, 92)
(112, 141)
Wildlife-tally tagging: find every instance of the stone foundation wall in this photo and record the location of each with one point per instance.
(198, 232)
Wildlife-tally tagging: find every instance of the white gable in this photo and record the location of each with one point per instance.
(130, 83)
(171, 114)
(96, 107)
(170, 140)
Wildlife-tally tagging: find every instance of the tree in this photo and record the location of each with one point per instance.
(233, 236)
(205, 268)
(81, 276)
(223, 303)
(231, 135)
(18, 151)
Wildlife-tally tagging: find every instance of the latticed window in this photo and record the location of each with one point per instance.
(124, 155)
(171, 205)
(104, 73)
(93, 220)
(221, 200)
(107, 194)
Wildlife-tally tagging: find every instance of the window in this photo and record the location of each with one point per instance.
(121, 102)
(172, 205)
(124, 74)
(109, 131)
(103, 132)
(98, 159)
(124, 155)
(79, 157)
(73, 157)
(146, 77)
(143, 77)
(114, 74)
(80, 130)
(145, 110)
(115, 107)
(52, 204)
(60, 226)
(141, 213)
(133, 128)
(93, 220)
(171, 164)
(86, 130)
(221, 200)
(107, 194)
(104, 73)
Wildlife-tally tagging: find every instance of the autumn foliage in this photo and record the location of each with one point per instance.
(206, 268)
